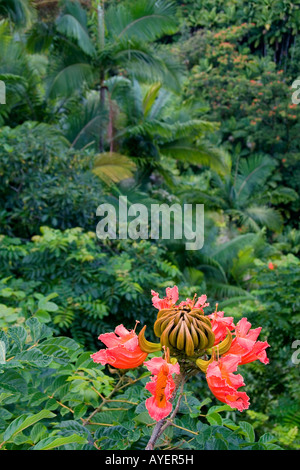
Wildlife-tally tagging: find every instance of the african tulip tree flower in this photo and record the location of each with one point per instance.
(123, 351)
(245, 345)
(220, 324)
(170, 299)
(224, 384)
(200, 303)
(191, 341)
(161, 387)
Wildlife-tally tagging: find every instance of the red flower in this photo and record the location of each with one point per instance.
(271, 265)
(161, 387)
(123, 349)
(219, 325)
(245, 345)
(201, 302)
(224, 384)
(170, 299)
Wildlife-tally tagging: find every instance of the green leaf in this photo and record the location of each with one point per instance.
(35, 328)
(44, 303)
(214, 419)
(19, 335)
(143, 418)
(266, 438)
(37, 432)
(71, 27)
(53, 442)
(248, 431)
(2, 352)
(218, 409)
(218, 444)
(35, 357)
(230, 424)
(271, 446)
(23, 422)
(80, 411)
(69, 79)
(43, 316)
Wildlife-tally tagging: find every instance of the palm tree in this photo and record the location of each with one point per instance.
(116, 41)
(21, 74)
(150, 125)
(242, 196)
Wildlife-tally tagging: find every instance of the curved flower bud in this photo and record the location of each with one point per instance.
(203, 365)
(145, 345)
(123, 351)
(224, 346)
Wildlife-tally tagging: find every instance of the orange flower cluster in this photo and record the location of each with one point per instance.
(186, 334)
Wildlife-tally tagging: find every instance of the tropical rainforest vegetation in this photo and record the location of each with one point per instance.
(186, 102)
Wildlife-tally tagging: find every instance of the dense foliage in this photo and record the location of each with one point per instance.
(186, 102)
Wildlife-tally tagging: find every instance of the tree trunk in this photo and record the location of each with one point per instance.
(102, 107)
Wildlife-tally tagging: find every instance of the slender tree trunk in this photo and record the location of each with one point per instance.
(110, 130)
(102, 107)
(101, 39)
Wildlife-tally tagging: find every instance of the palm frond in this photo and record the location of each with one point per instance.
(161, 102)
(145, 20)
(262, 216)
(83, 121)
(201, 154)
(150, 97)
(70, 79)
(227, 291)
(253, 173)
(148, 64)
(113, 167)
(232, 301)
(227, 251)
(72, 28)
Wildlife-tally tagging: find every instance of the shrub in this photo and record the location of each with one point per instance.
(97, 284)
(44, 182)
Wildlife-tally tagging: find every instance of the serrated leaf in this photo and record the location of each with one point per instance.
(35, 357)
(19, 335)
(267, 437)
(34, 327)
